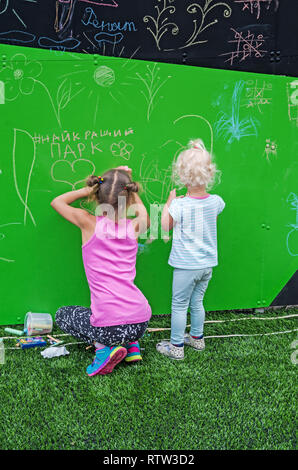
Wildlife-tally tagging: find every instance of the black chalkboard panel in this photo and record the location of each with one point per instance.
(248, 35)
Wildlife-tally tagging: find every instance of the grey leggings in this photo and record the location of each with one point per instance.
(75, 320)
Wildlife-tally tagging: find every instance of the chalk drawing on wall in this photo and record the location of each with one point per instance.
(197, 116)
(21, 37)
(159, 25)
(104, 76)
(152, 86)
(65, 12)
(72, 173)
(230, 126)
(122, 149)
(18, 176)
(2, 237)
(2, 93)
(200, 21)
(292, 93)
(157, 182)
(20, 76)
(68, 44)
(270, 149)
(246, 45)
(292, 237)
(255, 6)
(257, 95)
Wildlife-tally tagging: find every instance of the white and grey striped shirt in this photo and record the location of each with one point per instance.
(194, 244)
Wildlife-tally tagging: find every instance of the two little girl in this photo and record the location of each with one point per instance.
(119, 313)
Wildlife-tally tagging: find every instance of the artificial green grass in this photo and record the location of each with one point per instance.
(239, 393)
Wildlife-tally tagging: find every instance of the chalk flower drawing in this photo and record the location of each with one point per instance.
(122, 150)
(231, 127)
(20, 76)
(152, 82)
(292, 237)
(199, 23)
(160, 24)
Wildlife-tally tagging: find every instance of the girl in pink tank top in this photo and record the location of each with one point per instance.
(119, 313)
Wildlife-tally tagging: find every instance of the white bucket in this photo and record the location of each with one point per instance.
(38, 324)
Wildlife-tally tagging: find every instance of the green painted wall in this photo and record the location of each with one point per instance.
(64, 116)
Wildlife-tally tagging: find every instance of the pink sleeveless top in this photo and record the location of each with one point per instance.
(110, 264)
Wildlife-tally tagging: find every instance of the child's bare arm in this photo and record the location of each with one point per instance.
(167, 221)
(61, 204)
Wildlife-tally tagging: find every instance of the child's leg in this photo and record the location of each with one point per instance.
(183, 285)
(197, 311)
(74, 320)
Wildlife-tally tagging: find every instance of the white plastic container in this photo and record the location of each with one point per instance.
(38, 324)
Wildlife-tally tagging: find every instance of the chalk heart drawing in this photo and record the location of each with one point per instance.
(72, 173)
(104, 76)
(122, 150)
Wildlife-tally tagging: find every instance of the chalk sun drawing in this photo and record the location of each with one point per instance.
(231, 127)
(23, 198)
(104, 76)
(153, 84)
(292, 237)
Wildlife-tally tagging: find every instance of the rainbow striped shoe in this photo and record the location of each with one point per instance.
(133, 352)
(106, 359)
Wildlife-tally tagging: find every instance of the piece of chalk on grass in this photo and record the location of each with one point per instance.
(13, 332)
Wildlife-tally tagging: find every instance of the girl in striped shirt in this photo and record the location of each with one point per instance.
(194, 247)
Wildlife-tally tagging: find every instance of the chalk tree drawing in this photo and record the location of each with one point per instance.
(292, 237)
(72, 173)
(2, 237)
(152, 82)
(231, 127)
(19, 176)
(200, 21)
(159, 25)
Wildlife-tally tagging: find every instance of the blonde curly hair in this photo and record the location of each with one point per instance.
(194, 166)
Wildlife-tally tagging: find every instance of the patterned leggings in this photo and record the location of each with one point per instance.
(75, 320)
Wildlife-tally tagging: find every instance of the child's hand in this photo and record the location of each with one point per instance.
(125, 168)
(172, 196)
